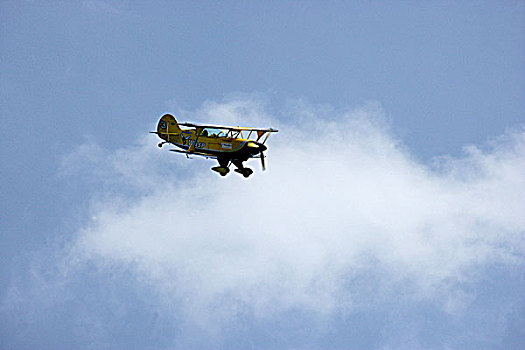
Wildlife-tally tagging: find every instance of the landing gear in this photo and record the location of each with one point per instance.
(223, 171)
(244, 171)
(161, 143)
(241, 169)
(223, 168)
(224, 163)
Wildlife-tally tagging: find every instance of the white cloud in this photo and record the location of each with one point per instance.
(340, 195)
(344, 220)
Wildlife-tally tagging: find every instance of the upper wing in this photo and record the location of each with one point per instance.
(193, 125)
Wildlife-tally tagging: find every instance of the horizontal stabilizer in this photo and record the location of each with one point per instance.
(164, 133)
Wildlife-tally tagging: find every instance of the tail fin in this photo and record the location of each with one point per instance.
(168, 128)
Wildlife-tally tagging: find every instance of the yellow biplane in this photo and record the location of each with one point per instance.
(228, 144)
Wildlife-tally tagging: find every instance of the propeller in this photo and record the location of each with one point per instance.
(262, 161)
(258, 147)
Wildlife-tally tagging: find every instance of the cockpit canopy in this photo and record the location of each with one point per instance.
(230, 134)
(213, 132)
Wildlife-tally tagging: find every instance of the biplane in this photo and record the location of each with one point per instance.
(227, 144)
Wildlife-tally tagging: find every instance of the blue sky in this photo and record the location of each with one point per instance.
(389, 217)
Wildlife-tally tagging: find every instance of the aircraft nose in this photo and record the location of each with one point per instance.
(256, 147)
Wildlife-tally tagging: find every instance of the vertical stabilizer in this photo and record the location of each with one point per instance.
(168, 129)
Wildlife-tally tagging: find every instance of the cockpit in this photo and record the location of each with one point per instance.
(212, 132)
(231, 134)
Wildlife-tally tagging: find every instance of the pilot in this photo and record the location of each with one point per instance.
(205, 133)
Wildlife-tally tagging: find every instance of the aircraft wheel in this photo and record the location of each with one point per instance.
(247, 172)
